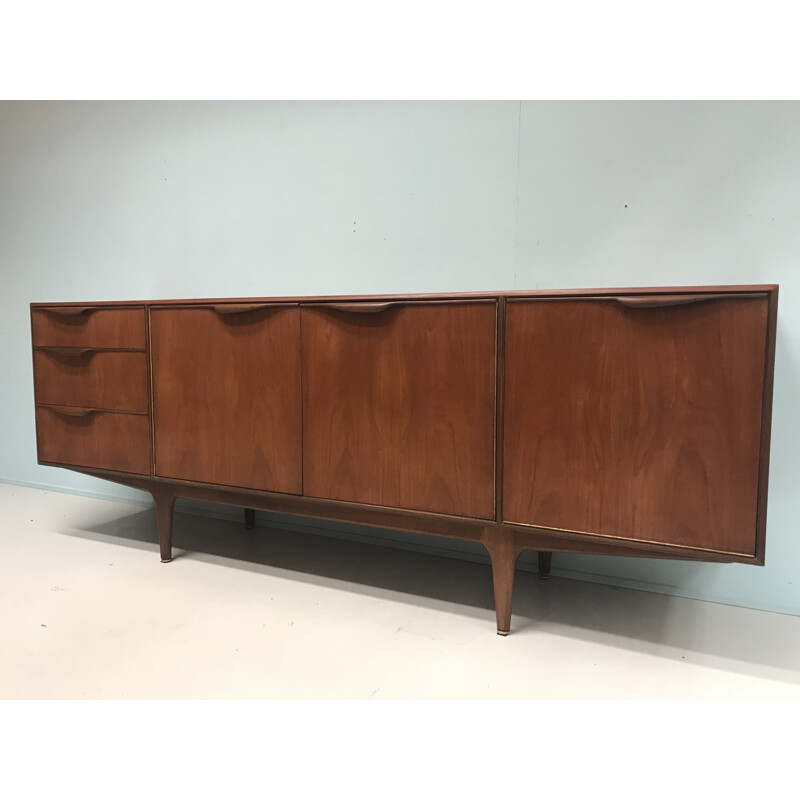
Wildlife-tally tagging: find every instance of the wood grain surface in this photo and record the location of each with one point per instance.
(226, 392)
(90, 438)
(399, 406)
(642, 423)
(95, 378)
(93, 327)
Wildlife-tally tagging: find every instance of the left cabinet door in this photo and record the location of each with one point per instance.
(226, 395)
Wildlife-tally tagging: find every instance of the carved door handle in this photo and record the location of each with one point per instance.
(353, 308)
(232, 309)
(664, 300)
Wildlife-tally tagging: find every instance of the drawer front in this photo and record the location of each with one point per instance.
(91, 378)
(101, 439)
(73, 326)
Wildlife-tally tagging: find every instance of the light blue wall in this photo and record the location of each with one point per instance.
(149, 200)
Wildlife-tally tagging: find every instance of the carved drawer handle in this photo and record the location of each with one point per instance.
(72, 412)
(663, 300)
(68, 352)
(70, 311)
(230, 309)
(354, 308)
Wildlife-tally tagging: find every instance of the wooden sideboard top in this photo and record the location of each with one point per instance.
(433, 297)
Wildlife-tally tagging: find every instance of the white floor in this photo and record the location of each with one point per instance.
(88, 611)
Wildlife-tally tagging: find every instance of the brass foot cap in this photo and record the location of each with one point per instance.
(545, 577)
(165, 560)
(502, 633)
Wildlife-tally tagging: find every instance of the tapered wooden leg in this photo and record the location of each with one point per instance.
(503, 553)
(165, 502)
(249, 518)
(545, 560)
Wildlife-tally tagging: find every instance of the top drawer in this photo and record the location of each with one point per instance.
(89, 326)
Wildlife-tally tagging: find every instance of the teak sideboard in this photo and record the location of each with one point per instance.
(629, 422)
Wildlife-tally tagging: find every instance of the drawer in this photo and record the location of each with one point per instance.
(89, 326)
(91, 378)
(90, 438)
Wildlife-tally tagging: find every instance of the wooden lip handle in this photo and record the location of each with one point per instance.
(70, 311)
(663, 300)
(72, 412)
(354, 308)
(243, 308)
(69, 352)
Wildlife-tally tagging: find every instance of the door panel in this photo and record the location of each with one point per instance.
(399, 405)
(636, 422)
(226, 391)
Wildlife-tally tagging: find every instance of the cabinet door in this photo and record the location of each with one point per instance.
(399, 405)
(639, 422)
(226, 392)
